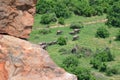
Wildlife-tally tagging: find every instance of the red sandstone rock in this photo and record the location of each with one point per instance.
(21, 60)
(16, 17)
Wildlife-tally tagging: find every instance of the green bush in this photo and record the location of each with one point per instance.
(103, 67)
(76, 25)
(95, 63)
(105, 55)
(102, 32)
(100, 57)
(61, 21)
(83, 73)
(48, 18)
(61, 10)
(89, 11)
(44, 31)
(109, 72)
(62, 41)
(70, 62)
(113, 14)
(118, 36)
(113, 70)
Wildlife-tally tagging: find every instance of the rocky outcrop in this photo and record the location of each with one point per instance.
(16, 17)
(21, 60)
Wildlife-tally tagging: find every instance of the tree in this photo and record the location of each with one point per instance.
(48, 18)
(61, 10)
(114, 15)
(43, 6)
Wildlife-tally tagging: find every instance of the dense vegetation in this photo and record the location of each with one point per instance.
(114, 14)
(95, 52)
(65, 8)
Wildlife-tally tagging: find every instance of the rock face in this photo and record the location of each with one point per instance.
(21, 60)
(16, 17)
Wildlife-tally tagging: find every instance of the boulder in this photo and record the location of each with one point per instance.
(22, 60)
(16, 17)
(59, 32)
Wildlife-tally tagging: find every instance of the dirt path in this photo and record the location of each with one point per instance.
(84, 23)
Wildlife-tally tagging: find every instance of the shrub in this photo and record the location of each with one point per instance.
(76, 25)
(118, 36)
(113, 70)
(71, 65)
(61, 10)
(83, 73)
(109, 72)
(45, 31)
(113, 14)
(103, 67)
(104, 55)
(102, 32)
(61, 41)
(61, 21)
(48, 18)
(70, 61)
(89, 11)
(95, 63)
(100, 57)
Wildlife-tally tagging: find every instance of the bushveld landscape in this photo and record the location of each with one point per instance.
(81, 36)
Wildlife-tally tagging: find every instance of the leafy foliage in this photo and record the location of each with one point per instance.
(114, 14)
(103, 67)
(64, 8)
(102, 32)
(48, 18)
(100, 57)
(61, 10)
(71, 65)
(113, 70)
(70, 61)
(118, 36)
(76, 25)
(61, 41)
(83, 73)
(45, 31)
(61, 21)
